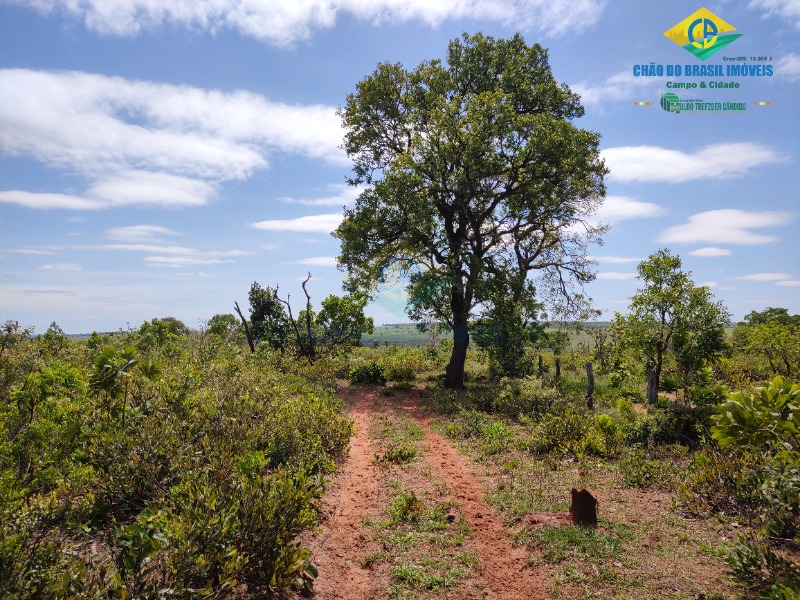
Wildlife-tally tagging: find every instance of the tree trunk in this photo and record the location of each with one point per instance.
(454, 373)
(657, 369)
(589, 386)
(652, 387)
(558, 368)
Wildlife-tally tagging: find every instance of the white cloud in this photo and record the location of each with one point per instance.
(342, 195)
(709, 284)
(614, 89)
(725, 226)
(143, 188)
(284, 22)
(42, 250)
(616, 275)
(788, 67)
(171, 250)
(47, 201)
(787, 10)
(310, 224)
(615, 260)
(789, 283)
(145, 143)
(47, 293)
(622, 208)
(765, 277)
(148, 239)
(318, 261)
(710, 252)
(69, 267)
(139, 233)
(177, 262)
(656, 164)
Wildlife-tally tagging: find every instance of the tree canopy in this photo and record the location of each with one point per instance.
(670, 314)
(475, 174)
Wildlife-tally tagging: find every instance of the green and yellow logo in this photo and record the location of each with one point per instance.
(702, 33)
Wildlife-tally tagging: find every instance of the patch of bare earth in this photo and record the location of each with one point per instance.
(340, 545)
(358, 554)
(663, 552)
(504, 568)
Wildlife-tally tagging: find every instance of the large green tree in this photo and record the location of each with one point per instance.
(670, 314)
(474, 171)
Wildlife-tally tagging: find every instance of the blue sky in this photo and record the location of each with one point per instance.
(156, 158)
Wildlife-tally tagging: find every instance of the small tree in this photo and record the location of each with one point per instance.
(341, 321)
(774, 335)
(507, 326)
(671, 314)
(110, 375)
(224, 325)
(268, 320)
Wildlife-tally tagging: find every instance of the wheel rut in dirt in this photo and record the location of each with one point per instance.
(359, 492)
(506, 571)
(339, 547)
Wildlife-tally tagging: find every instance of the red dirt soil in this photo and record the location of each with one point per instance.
(339, 547)
(357, 494)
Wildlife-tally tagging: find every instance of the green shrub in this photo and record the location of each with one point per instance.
(497, 438)
(570, 432)
(768, 574)
(526, 396)
(766, 424)
(206, 484)
(471, 423)
(758, 475)
(687, 426)
(718, 481)
(397, 370)
(215, 533)
(370, 373)
(638, 469)
(404, 507)
(397, 453)
(613, 431)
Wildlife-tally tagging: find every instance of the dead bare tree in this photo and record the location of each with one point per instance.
(249, 335)
(306, 348)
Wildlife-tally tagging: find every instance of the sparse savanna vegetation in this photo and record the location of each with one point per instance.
(168, 462)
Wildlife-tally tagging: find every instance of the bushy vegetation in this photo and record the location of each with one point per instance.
(731, 454)
(155, 462)
(168, 461)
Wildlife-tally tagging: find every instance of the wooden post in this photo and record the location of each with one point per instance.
(652, 388)
(541, 367)
(558, 368)
(589, 385)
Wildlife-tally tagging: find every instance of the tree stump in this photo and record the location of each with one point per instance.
(583, 508)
